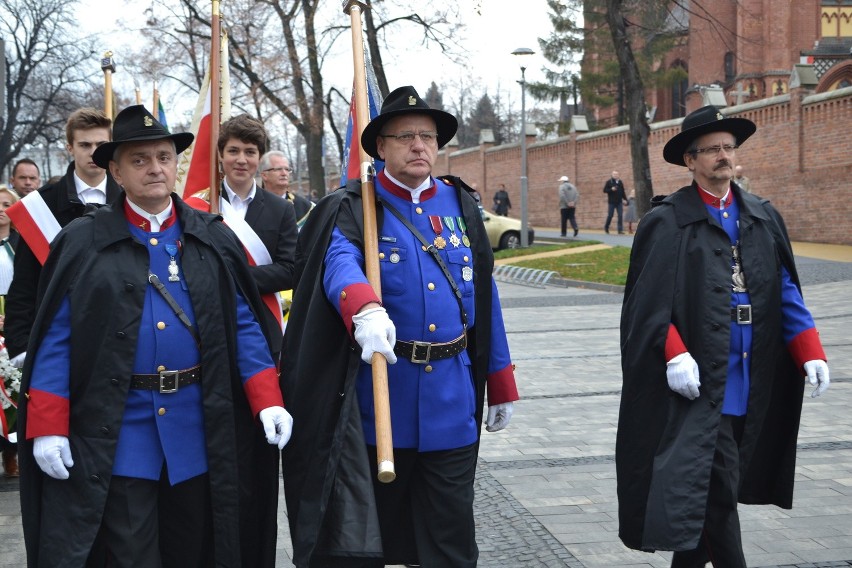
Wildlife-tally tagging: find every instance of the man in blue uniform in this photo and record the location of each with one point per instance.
(715, 342)
(439, 325)
(148, 368)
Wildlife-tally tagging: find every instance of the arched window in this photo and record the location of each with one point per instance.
(730, 67)
(679, 88)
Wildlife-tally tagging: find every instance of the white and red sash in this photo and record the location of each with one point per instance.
(35, 222)
(256, 252)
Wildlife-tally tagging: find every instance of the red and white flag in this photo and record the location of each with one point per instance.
(194, 163)
(35, 222)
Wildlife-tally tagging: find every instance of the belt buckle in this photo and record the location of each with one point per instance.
(415, 345)
(743, 314)
(169, 376)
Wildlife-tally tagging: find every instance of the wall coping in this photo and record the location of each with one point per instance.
(835, 94)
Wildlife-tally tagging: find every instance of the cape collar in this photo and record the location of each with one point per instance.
(138, 220)
(713, 201)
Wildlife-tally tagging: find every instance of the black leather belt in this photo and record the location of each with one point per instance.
(423, 351)
(741, 314)
(167, 381)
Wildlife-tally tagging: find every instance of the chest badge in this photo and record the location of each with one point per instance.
(394, 256)
(467, 274)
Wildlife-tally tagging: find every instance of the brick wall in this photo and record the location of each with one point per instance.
(800, 158)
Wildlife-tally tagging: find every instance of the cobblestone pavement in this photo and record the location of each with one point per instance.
(545, 488)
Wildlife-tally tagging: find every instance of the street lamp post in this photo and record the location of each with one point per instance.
(525, 239)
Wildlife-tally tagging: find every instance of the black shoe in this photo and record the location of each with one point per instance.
(563, 235)
(620, 232)
(606, 230)
(575, 232)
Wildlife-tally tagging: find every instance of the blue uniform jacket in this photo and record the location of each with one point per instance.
(433, 406)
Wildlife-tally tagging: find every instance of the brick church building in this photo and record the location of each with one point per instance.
(739, 50)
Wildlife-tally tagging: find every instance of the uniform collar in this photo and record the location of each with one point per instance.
(713, 201)
(404, 192)
(137, 217)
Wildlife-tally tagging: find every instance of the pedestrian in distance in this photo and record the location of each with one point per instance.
(568, 199)
(615, 201)
(716, 341)
(440, 300)
(502, 204)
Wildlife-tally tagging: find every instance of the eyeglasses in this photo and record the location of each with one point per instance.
(279, 170)
(427, 137)
(714, 150)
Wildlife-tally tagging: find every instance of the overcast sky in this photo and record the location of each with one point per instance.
(489, 38)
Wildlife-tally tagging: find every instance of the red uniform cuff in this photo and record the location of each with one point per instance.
(501, 386)
(353, 298)
(47, 414)
(262, 390)
(806, 347)
(674, 344)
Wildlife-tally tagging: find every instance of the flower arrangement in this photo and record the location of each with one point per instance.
(10, 386)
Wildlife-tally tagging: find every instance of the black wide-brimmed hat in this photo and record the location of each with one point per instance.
(703, 121)
(405, 100)
(136, 124)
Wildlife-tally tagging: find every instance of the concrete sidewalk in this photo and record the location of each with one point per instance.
(546, 494)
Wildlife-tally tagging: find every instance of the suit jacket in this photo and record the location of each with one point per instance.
(274, 221)
(61, 198)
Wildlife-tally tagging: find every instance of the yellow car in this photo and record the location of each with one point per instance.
(503, 232)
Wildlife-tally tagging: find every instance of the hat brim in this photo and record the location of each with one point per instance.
(446, 124)
(675, 148)
(103, 154)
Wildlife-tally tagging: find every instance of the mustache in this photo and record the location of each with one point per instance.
(723, 164)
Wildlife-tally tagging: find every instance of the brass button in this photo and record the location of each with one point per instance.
(424, 248)
(161, 411)
(381, 255)
(431, 286)
(153, 241)
(432, 327)
(725, 214)
(343, 295)
(428, 368)
(419, 210)
(161, 325)
(161, 368)
(745, 354)
(466, 258)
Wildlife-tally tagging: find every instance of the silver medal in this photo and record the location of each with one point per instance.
(173, 271)
(467, 274)
(394, 257)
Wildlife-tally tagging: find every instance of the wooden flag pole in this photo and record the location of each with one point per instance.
(108, 67)
(381, 401)
(215, 103)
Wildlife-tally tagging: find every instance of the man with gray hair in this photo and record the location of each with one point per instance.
(275, 172)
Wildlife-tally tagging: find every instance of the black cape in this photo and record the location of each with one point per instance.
(680, 272)
(103, 270)
(327, 480)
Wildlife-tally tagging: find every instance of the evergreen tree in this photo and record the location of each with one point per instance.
(433, 97)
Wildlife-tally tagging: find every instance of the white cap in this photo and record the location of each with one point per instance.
(563, 178)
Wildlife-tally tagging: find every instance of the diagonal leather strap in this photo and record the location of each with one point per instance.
(430, 248)
(170, 300)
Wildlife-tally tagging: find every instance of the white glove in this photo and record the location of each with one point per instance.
(499, 416)
(817, 372)
(375, 333)
(682, 373)
(277, 425)
(53, 455)
(18, 360)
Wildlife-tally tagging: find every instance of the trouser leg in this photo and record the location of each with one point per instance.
(610, 209)
(563, 227)
(619, 207)
(186, 526)
(129, 531)
(426, 514)
(721, 539)
(571, 217)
